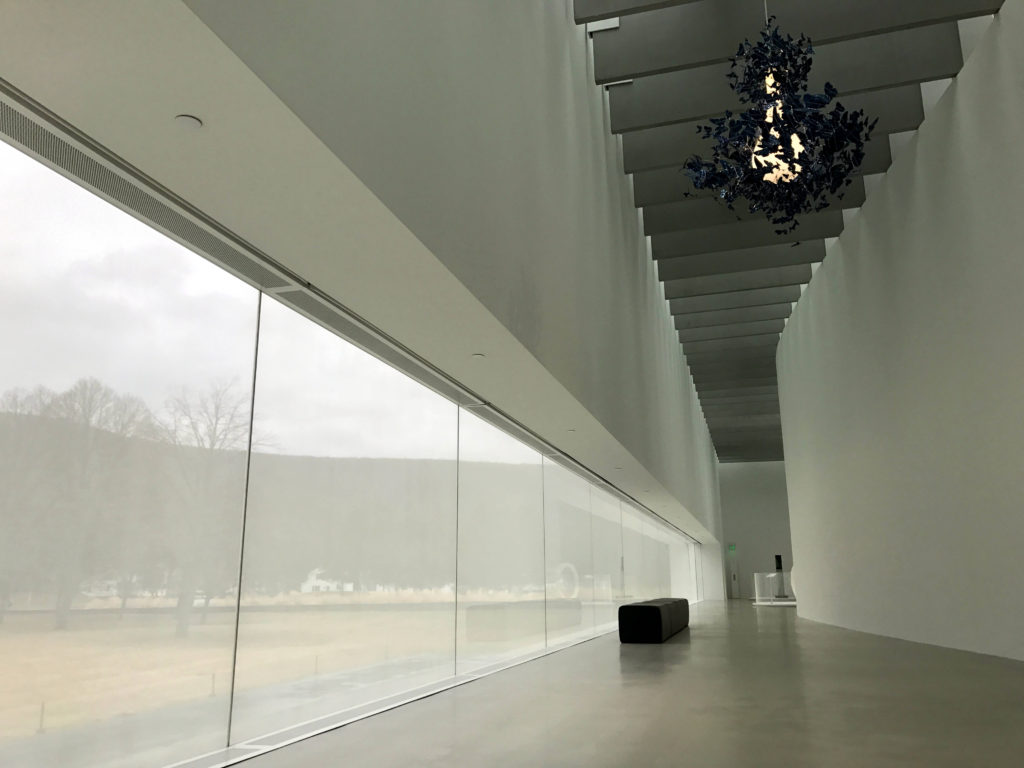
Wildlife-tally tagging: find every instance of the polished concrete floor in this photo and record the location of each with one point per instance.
(744, 686)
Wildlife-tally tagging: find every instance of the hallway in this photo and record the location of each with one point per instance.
(743, 686)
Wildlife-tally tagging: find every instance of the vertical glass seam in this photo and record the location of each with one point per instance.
(593, 565)
(245, 510)
(544, 541)
(622, 551)
(458, 493)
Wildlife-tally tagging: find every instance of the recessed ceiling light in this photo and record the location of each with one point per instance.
(190, 122)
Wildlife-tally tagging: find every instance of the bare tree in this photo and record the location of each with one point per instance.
(215, 420)
(211, 432)
(92, 486)
(22, 487)
(69, 455)
(91, 403)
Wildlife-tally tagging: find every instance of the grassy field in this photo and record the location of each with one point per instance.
(104, 666)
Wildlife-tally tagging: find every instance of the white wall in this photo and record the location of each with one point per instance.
(712, 553)
(755, 517)
(480, 126)
(901, 382)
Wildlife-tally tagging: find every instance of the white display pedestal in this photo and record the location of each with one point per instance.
(775, 589)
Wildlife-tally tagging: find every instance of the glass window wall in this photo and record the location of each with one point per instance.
(606, 524)
(166, 431)
(634, 570)
(501, 612)
(125, 387)
(656, 567)
(568, 554)
(348, 577)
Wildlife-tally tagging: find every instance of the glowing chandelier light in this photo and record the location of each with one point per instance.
(785, 155)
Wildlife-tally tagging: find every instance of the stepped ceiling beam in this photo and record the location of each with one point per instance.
(691, 303)
(710, 366)
(740, 408)
(897, 109)
(863, 64)
(739, 235)
(713, 364)
(740, 393)
(710, 369)
(724, 262)
(774, 277)
(597, 10)
(711, 390)
(671, 185)
(726, 316)
(737, 438)
(741, 342)
(732, 433)
(732, 331)
(712, 379)
(748, 452)
(703, 212)
(761, 420)
(771, 398)
(707, 32)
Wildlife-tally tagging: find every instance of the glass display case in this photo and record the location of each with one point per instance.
(773, 588)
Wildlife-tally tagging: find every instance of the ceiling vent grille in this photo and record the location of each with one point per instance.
(87, 170)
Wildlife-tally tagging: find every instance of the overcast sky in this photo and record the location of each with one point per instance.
(88, 291)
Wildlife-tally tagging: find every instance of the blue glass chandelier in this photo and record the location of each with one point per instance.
(786, 155)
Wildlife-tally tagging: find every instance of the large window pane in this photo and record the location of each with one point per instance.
(656, 578)
(568, 555)
(607, 538)
(670, 561)
(698, 571)
(501, 547)
(125, 386)
(684, 583)
(349, 565)
(636, 588)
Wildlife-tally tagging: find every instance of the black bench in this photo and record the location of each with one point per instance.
(653, 621)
